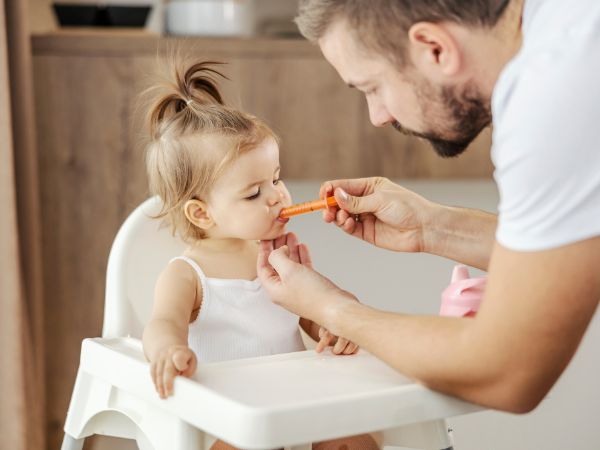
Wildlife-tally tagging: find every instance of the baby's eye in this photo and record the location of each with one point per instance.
(254, 196)
(276, 182)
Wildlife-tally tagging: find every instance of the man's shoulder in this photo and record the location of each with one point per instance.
(561, 47)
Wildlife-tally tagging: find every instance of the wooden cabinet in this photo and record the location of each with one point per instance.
(92, 169)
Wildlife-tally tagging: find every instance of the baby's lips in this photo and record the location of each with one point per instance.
(282, 219)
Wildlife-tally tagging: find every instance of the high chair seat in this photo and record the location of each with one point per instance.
(281, 401)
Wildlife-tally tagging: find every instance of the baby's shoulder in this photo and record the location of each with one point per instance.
(179, 271)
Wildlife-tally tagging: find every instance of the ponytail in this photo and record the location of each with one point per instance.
(183, 109)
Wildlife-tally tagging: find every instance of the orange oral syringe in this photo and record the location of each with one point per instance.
(307, 207)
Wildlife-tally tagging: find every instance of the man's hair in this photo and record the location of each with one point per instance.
(383, 25)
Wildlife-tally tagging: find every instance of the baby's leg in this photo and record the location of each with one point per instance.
(360, 442)
(220, 445)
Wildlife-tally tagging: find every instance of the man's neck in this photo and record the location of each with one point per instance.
(505, 41)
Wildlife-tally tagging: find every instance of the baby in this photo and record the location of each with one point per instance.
(216, 170)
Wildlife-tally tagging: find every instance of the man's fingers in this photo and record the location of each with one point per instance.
(305, 258)
(326, 190)
(263, 267)
(280, 261)
(341, 217)
(279, 241)
(356, 204)
(329, 215)
(354, 186)
(292, 245)
(351, 225)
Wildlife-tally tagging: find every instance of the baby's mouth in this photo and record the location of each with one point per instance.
(281, 219)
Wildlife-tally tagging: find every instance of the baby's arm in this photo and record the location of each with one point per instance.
(165, 336)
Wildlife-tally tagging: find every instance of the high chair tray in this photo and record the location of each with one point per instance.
(277, 400)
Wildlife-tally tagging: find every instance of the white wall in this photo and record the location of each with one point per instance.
(569, 419)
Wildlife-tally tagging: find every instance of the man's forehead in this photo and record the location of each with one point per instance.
(341, 50)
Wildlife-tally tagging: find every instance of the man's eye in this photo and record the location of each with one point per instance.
(254, 196)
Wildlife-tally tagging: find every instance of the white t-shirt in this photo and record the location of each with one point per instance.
(546, 138)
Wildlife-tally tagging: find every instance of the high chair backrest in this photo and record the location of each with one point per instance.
(142, 248)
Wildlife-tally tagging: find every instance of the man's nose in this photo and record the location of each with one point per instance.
(378, 114)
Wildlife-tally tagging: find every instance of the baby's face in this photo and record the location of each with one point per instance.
(246, 199)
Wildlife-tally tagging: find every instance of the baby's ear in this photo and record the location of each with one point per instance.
(196, 211)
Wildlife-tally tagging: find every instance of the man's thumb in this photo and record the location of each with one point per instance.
(281, 262)
(356, 205)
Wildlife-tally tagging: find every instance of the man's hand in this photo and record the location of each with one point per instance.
(392, 217)
(285, 270)
(389, 216)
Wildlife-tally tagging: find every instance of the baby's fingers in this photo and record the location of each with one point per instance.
(154, 375)
(340, 346)
(168, 376)
(326, 338)
(351, 348)
(181, 360)
(158, 377)
(185, 362)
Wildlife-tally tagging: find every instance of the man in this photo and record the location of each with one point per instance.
(444, 70)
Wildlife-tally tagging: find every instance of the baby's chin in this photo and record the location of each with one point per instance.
(273, 234)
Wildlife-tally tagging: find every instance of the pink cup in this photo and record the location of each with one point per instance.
(464, 294)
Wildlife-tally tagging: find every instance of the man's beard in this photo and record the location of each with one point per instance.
(462, 115)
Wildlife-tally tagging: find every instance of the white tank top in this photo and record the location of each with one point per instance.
(237, 319)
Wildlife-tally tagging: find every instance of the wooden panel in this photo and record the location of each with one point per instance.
(90, 180)
(305, 108)
(128, 42)
(324, 125)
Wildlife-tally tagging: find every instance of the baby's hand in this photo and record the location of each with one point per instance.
(171, 361)
(341, 346)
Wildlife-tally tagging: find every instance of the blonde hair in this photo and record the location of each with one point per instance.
(192, 138)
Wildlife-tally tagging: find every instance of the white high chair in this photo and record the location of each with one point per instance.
(282, 401)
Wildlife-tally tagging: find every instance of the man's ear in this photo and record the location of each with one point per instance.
(434, 49)
(196, 211)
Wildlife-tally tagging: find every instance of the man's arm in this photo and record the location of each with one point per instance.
(460, 234)
(536, 309)
(395, 218)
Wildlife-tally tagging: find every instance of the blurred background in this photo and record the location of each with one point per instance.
(71, 169)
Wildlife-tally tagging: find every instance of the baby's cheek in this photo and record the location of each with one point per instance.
(287, 198)
(257, 226)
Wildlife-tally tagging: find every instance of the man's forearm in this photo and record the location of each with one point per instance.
(436, 351)
(461, 234)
